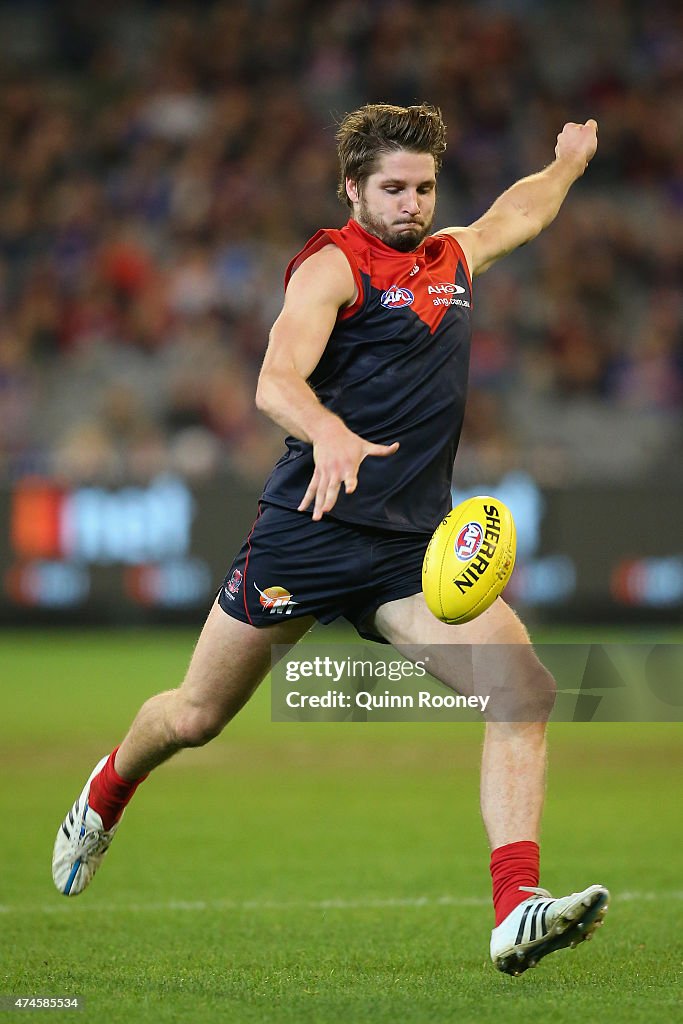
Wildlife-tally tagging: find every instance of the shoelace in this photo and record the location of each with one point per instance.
(93, 841)
(536, 890)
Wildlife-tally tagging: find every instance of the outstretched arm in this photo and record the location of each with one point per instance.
(521, 212)
(320, 287)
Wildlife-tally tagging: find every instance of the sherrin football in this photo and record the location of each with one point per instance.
(469, 560)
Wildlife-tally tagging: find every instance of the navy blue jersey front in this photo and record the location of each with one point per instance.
(394, 369)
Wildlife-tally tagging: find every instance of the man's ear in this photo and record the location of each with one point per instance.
(352, 190)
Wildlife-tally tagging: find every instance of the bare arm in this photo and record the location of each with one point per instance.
(317, 290)
(320, 287)
(530, 205)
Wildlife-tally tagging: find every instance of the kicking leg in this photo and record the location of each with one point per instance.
(491, 655)
(501, 660)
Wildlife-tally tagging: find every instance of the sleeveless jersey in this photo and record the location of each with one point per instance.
(394, 369)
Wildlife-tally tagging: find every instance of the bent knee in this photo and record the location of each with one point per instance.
(194, 726)
(544, 689)
(538, 694)
(530, 695)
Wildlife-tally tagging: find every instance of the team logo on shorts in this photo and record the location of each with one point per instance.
(468, 541)
(395, 297)
(276, 600)
(233, 585)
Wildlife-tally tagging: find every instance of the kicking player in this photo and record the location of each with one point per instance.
(367, 370)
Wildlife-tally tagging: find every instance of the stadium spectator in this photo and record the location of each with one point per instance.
(152, 183)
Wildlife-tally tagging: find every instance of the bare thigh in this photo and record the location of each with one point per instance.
(231, 659)
(490, 656)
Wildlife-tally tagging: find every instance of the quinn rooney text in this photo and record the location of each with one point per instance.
(380, 701)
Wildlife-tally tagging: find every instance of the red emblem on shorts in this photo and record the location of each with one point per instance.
(468, 541)
(235, 582)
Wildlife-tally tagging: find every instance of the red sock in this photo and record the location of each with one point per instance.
(511, 866)
(109, 793)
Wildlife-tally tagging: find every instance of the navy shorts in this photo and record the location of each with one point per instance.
(292, 566)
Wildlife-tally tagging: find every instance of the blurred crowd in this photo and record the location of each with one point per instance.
(160, 163)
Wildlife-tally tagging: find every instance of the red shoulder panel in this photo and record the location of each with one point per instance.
(461, 255)
(329, 236)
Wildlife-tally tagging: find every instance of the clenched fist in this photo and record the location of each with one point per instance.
(578, 143)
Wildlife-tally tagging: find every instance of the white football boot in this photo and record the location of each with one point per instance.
(81, 843)
(541, 924)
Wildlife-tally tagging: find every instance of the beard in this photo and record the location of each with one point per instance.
(403, 237)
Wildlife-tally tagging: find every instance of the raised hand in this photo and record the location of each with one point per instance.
(578, 142)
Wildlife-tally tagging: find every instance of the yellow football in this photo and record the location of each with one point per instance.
(469, 560)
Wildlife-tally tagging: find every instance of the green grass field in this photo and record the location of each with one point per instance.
(327, 873)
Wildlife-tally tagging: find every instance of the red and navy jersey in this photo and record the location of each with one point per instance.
(394, 369)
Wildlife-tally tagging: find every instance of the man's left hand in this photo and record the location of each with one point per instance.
(578, 142)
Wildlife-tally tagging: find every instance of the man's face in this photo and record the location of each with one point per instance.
(396, 202)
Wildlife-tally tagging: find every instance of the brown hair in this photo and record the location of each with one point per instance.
(378, 128)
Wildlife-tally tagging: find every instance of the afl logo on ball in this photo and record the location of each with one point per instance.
(468, 541)
(395, 297)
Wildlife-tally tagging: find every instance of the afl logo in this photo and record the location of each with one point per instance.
(468, 541)
(395, 297)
